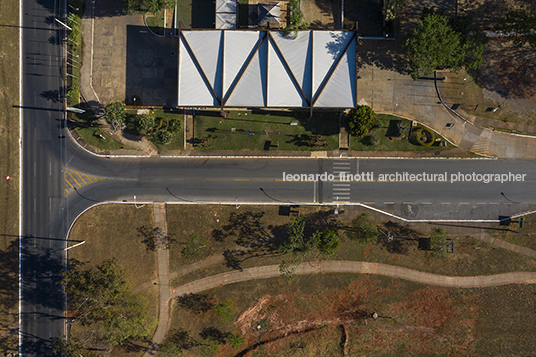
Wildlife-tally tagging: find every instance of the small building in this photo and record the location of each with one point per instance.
(225, 14)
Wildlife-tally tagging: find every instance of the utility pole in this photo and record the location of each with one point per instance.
(64, 25)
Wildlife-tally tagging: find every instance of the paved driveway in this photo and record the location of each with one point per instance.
(130, 61)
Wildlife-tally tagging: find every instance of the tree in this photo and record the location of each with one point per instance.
(521, 24)
(115, 112)
(438, 241)
(361, 120)
(194, 247)
(144, 6)
(295, 19)
(235, 340)
(299, 246)
(433, 44)
(225, 310)
(68, 348)
(143, 123)
(174, 125)
(391, 8)
(101, 297)
(363, 230)
(329, 242)
(162, 137)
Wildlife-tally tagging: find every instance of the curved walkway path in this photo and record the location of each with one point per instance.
(341, 266)
(332, 266)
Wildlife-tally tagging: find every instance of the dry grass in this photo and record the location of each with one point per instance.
(421, 320)
(117, 231)
(417, 320)
(126, 233)
(9, 165)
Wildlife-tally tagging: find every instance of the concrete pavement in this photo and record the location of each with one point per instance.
(486, 238)
(163, 279)
(271, 271)
(88, 92)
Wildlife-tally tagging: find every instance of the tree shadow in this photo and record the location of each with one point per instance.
(148, 237)
(197, 303)
(182, 339)
(9, 276)
(214, 334)
(51, 95)
(399, 240)
(245, 226)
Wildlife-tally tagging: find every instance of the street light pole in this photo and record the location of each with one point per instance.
(135, 205)
(64, 25)
(76, 245)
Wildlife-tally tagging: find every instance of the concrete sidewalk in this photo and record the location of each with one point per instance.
(163, 279)
(90, 96)
(486, 238)
(271, 271)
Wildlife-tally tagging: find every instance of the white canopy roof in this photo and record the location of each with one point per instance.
(264, 69)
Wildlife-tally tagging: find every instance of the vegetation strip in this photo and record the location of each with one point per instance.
(359, 268)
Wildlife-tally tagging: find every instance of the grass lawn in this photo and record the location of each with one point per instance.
(387, 125)
(91, 136)
(126, 233)
(513, 233)
(467, 90)
(9, 165)
(119, 231)
(225, 228)
(177, 139)
(249, 223)
(271, 129)
(156, 22)
(418, 320)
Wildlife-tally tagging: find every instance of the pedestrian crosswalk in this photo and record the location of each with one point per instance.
(341, 190)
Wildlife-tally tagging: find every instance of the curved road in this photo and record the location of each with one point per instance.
(47, 214)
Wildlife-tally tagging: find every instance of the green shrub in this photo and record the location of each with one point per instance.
(329, 242)
(225, 310)
(424, 137)
(161, 137)
(361, 120)
(174, 125)
(363, 230)
(115, 112)
(73, 96)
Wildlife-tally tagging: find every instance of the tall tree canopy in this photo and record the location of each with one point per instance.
(432, 44)
(101, 297)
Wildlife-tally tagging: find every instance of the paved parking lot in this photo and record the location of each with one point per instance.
(129, 61)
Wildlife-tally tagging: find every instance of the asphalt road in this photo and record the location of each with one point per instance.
(47, 214)
(42, 228)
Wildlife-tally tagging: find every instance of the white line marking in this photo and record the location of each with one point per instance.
(314, 190)
(445, 203)
(426, 203)
(388, 203)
